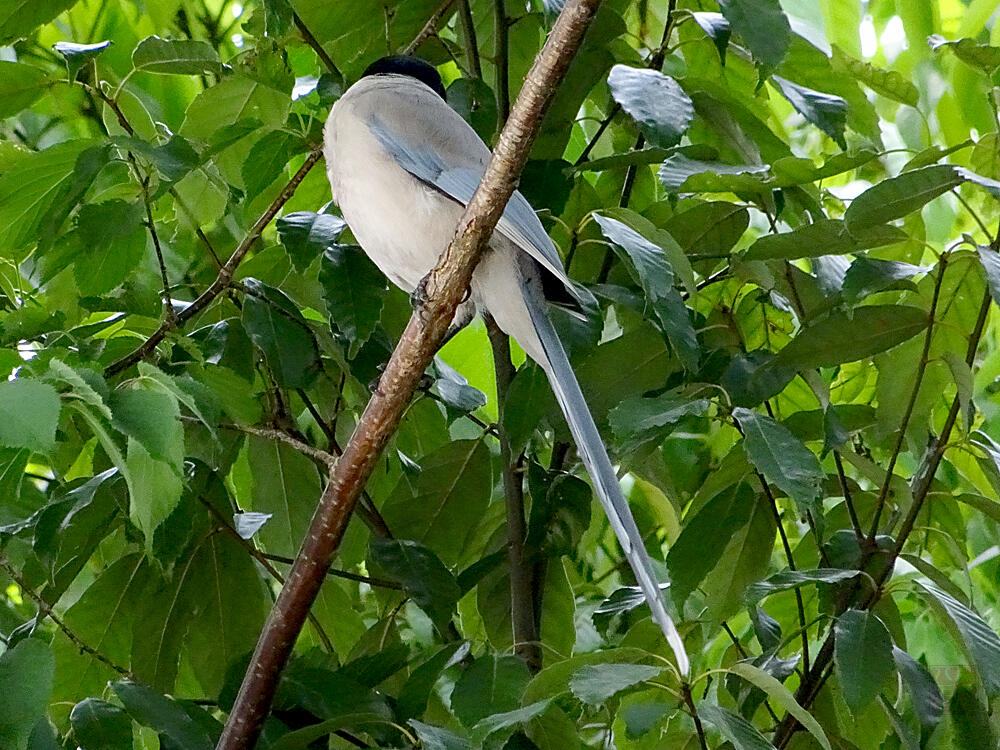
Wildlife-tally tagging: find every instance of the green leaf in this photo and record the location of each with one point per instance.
(869, 275)
(235, 101)
(20, 17)
(163, 714)
(636, 418)
(276, 327)
(682, 174)
(655, 101)
(793, 579)
(354, 292)
(99, 725)
(823, 237)
(696, 552)
(781, 457)
(112, 245)
(20, 86)
(154, 488)
(78, 55)
(30, 411)
(507, 720)
(152, 418)
(25, 686)
(898, 196)
(863, 656)
(826, 111)
(984, 57)
(990, 261)
(734, 728)
(717, 28)
(653, 271)
(442, 507)
(422, 575)
(889, 83)
(927, 701)
(763, 27)
(595, 683)
(839, 338)
(33, 187)
(783, 697)
(265, 163)
(970, 719)
(180, 56)
(979, 641)
(438, 738)
(492, 685)
(415, 694)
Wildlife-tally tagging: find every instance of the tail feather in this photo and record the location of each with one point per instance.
(595, 459)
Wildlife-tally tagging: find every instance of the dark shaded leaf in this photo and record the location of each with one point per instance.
(781, 457)
(869, 275)
(163, 714)
(763, 27)
(823, 237)
(826, 111)
(837, 338)
(99, 725)
(307, 235)
(354, 291)
(792, 579)
(422, 575)
(863, 655)
(30, 411)
(266, 163)
(734, 728)
(970, 719)
(179, 56)
(655, 101)
(927, 701)
(275, 326)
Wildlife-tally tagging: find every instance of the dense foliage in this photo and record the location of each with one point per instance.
(789, 214)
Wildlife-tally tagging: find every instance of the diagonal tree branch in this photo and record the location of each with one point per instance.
(445, 286)
(225, 276)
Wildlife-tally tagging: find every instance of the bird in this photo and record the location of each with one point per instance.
(402, 166)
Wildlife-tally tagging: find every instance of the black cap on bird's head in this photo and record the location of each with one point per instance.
(407, 65)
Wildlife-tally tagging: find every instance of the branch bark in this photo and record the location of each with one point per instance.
(445, 286)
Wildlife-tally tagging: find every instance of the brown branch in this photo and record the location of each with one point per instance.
(445, 286)
(321, 53)
(522, 596)
(430, 28)
(225, 276)
(47, 610)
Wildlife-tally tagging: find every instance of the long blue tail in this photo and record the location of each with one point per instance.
(595, 459)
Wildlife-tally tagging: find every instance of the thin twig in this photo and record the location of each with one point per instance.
(346, 574)
(270, 433)
(469, 39)
(225, 275)
(321, 53)
(429, 29)
(46, 608)
(911, 403)
(168, 308)
(848, 501)
(445, 287)
(686, 692)
(500, 52)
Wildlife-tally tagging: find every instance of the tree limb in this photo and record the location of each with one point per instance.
(445, 286)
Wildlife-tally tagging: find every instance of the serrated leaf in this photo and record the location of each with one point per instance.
(680, 173)
(422, 575)
(275, 326)
(734, 728)
(655, 275)
(20, 86)
(152, 418)
(492, 685)
(25, 686)
(163, 714)
(595, 683)
(781, 457)
(354, 292)
(927, 701)
(826, 111)
(655, 101)
(823, 237)
(266, 163)
(307, 235)
(177, 56)
(888, 83)
(793, 579)
(979, 641)
(863, 656)
(984, 57)
(839, 338)
(763, 27)
(30, 411)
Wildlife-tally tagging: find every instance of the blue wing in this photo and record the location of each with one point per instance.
(518, 223)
